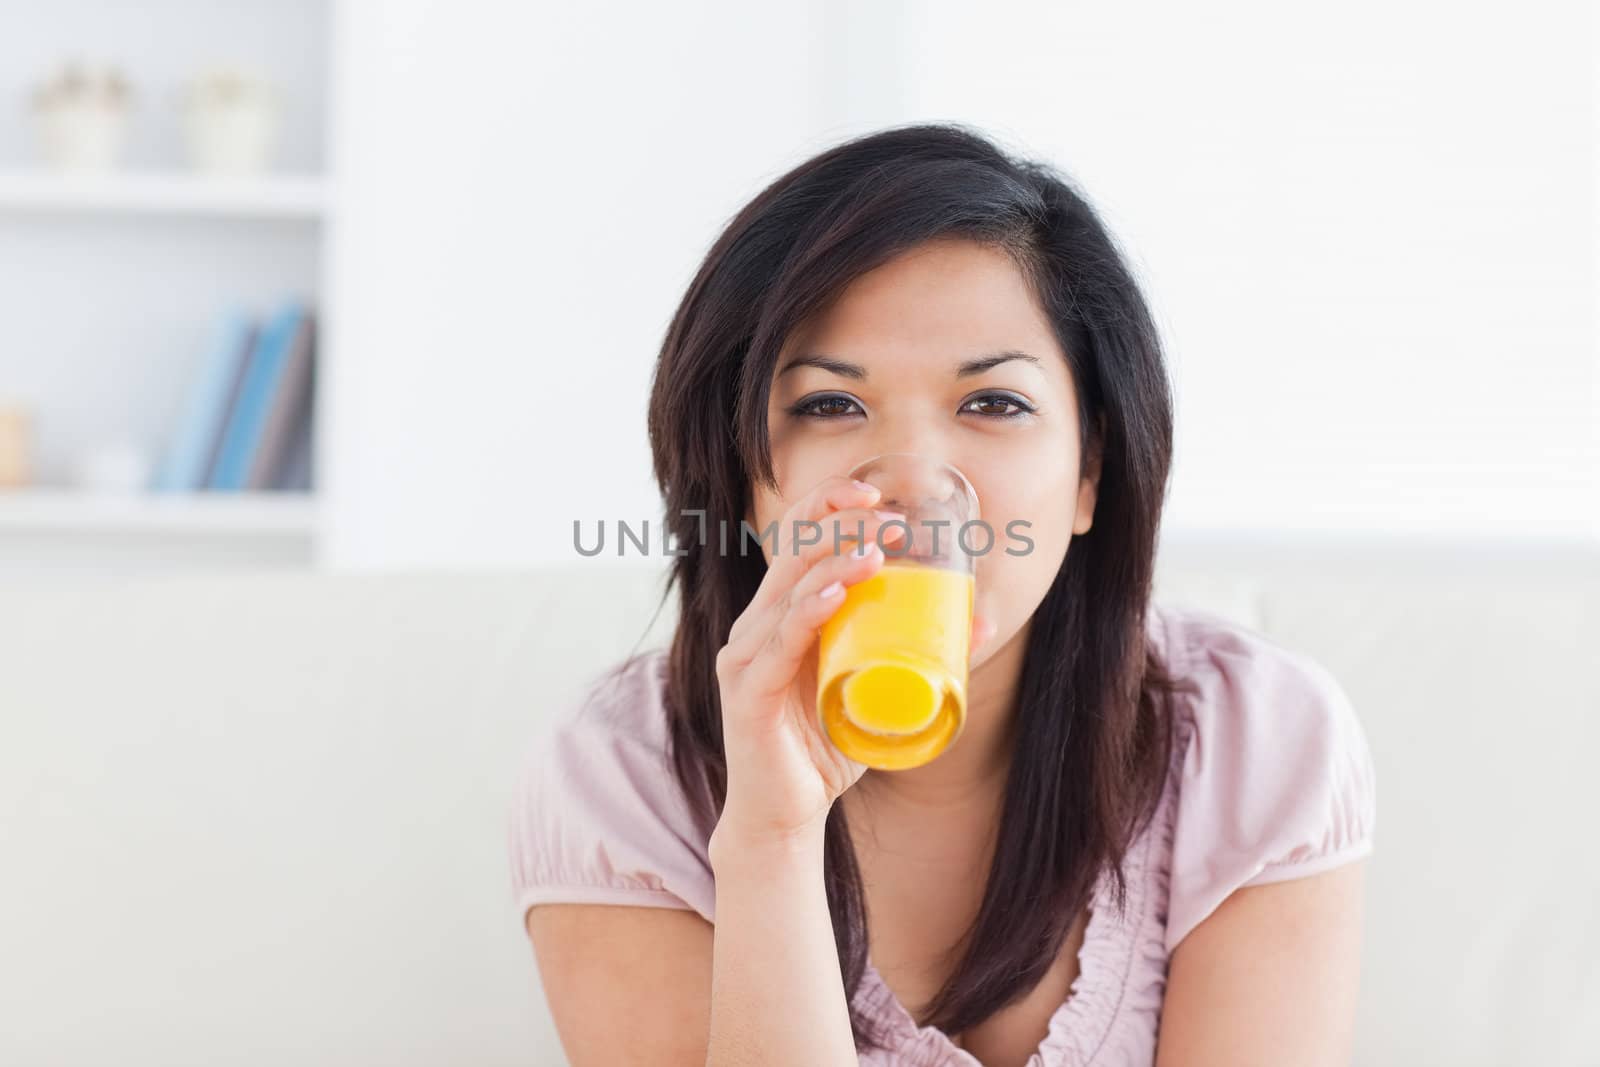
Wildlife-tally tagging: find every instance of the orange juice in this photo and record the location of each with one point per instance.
(892, 665)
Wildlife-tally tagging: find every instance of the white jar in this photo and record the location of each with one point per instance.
(81, 116)
(230, 122)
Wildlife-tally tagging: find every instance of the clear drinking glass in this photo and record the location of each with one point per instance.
(892, 660)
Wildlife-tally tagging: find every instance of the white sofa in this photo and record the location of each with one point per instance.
(260, 819)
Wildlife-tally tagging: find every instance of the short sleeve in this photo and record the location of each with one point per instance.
(597, 815)
(1276, 778)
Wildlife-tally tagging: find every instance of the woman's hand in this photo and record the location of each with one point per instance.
(783, 771)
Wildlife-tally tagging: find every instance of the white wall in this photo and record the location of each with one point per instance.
(1370, 237)
(1369, 240)
(525, 193)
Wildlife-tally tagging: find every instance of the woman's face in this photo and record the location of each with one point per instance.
(1010, 424)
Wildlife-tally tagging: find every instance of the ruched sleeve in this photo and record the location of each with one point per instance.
(1276, 777)
(597, 815)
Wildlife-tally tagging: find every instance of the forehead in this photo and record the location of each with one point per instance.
(949, 297)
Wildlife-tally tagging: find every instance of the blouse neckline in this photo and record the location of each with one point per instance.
(1082, 1023)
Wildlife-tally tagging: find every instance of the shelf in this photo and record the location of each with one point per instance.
(280, 514)
(273, 196)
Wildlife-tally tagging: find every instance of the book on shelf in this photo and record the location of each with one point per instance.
(246, 420)
(287, 412)
(192, 445)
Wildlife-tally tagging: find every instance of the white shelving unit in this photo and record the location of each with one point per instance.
(156, 193)
(291, 516)
(114, 280)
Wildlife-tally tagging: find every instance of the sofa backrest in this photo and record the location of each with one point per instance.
(260, 818)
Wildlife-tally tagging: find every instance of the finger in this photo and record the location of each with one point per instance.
(755, 627)
(839, 532)
(831, 494)
(776, 664)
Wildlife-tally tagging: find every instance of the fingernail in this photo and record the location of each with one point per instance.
(894, 525)
(864, 486)
(865, 548)
(832, 589)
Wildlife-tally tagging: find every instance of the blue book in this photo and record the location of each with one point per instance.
(187, 459)
(247, 422)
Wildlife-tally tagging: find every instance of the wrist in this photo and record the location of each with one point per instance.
(735, 842)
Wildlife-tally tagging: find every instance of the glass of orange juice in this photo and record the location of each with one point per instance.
(892, 660)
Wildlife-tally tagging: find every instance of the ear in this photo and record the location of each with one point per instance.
(1089, 479)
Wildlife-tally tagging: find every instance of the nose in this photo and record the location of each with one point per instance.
(924, 483)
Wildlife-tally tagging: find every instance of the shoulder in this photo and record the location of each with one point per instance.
(1275, 778)
(597, 814)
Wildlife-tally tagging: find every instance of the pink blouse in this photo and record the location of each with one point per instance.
(1271, 779)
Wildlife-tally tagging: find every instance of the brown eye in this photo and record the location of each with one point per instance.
(995, 405)
(830, 406)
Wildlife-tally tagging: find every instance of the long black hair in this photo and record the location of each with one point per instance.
(1092, 727)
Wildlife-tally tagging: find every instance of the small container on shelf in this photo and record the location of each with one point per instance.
(230, 121)
(81, 115)
(16, 447)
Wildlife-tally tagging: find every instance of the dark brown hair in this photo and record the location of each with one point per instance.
(1091, 720)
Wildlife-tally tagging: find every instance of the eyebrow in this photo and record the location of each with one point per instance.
(857, 372)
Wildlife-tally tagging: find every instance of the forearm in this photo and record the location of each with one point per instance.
(777, 995)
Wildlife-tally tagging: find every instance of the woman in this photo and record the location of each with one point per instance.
(1146, 844)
